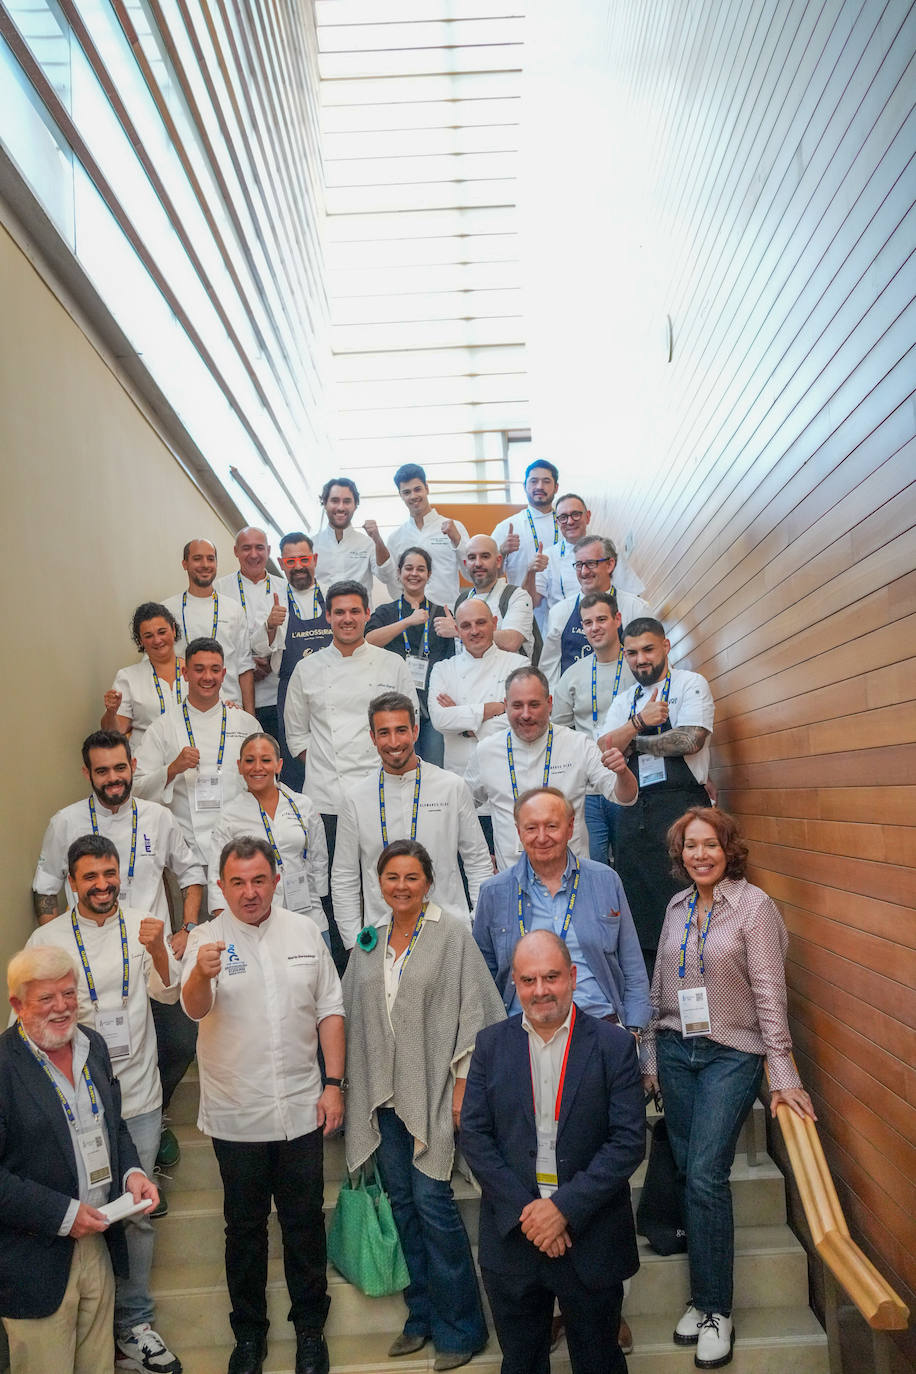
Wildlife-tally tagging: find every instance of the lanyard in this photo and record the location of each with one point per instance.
(534, 532)
(511, 759)
(294, 605)
(94, 821)
(424, 652)
(184, 602)
(158, 686)
(222, 733)
(559, 1098)
(564, 930)
(238, 578)
(84, 960)
(414, 810)
(682, 960)
(265, 819)
(90, 1086)
(666, 688)
(595, 682)
(413, 939)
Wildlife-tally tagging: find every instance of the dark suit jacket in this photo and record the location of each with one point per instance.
(600, 1141)
(38, 1177)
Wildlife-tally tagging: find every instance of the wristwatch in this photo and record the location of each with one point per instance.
(188, 926)
(341, 1083)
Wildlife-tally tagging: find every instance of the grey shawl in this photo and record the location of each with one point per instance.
(446, 995)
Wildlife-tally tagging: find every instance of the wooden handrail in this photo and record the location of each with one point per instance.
(880, 1305)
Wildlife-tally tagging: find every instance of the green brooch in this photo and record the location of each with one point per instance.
(367, 938)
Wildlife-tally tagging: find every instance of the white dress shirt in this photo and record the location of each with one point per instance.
(558, 580)
(259, 600)
(447, 558)
(447, 826)
(326, 715)
(303, 880)
(519, 613)
(628, 605)
(160, 844)
(164, 741)
(546, 1057)
(572, 697)
(352, 558)
(689, 703)
(471, 683)
(231, 632)
(575, 768)
(140, 700)
(257, 1046)
(138, 1074)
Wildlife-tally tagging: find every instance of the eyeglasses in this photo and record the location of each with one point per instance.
(305, 561)
(570, 515)
(590, 564)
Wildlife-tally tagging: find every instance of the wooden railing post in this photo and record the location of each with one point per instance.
(832, 1321)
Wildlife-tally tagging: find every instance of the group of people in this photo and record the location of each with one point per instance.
(466, 803)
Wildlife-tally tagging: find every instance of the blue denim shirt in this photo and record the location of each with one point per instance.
(604, 932)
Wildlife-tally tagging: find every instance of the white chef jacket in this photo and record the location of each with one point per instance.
(352, 558)
(515, 565)
(572, 697)
(519, 613)
(471, 682)
(257, 1046)
(138, 1074)
(558, 580)
(689, 703)
(447, 558)
(160, 844)
(575, 768)
(326, 714)
(259, 600)
(231, 632)
(140, 700)
(628, 605)
(164, 741)
(303, 881)
(447, 826)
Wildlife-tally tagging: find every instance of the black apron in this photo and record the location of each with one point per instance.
(303, 637)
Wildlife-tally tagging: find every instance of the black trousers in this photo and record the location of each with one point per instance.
(523, 1311)
(176, 1038)
(292, 1172)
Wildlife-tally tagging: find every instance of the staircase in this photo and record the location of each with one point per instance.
(776, 1330)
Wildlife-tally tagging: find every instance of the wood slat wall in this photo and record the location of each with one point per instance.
(771, 511)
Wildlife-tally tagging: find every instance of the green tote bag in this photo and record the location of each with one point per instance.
(363, 1241)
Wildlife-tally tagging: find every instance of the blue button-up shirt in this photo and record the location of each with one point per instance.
(543, 911)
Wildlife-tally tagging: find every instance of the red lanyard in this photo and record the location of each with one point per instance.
(556, 1109)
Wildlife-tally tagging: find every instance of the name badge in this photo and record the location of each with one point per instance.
(94, 1150)
(208, 791)
(124, 895)
(694, 1008)
(296, 887)
(545, 1168)
(651, 770)
(114, 1027)
(418, 668)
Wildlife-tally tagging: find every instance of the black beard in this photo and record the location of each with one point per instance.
(647, 677)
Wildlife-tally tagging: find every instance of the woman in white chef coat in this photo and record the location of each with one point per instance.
(287, 820)
(144, 691)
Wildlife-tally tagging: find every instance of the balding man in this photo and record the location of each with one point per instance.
(594, 563)
(512, 606)
(202, 613)
(256, 592)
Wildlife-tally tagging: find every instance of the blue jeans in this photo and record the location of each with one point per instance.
(599, 822)
(708, 1090)
(443, 1299)
(133, 1304)
(430, 744)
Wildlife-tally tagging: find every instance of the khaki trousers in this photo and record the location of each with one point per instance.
(79, 1336)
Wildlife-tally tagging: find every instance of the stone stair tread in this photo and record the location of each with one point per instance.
(773, 1326)
(363, 1354)
(749, 1240)
(205, 1201)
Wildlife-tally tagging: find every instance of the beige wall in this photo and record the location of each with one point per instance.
(95, 511)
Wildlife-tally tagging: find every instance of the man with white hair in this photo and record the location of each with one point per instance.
(65, 1153)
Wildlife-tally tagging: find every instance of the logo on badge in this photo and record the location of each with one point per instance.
(235, 963)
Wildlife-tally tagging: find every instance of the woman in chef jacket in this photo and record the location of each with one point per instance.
(144, 691)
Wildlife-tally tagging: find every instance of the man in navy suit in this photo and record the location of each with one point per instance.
(64, 1152)
(553, 1125)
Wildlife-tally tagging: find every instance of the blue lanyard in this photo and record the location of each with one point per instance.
(564, 929)
(294, 605)
(238, 578)
(682, 960)
(413, 939)
(90, 1086)
(222, 733)
(84, 960)
(94, 822)
(424, 652)
(184, 602)
(414, 810)
(595, 682)
(265, 820)
(534, 532)
(666, 688)
(511, 758)
(158, 686)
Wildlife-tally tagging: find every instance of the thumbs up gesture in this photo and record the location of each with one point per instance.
(510, 543)
(277, 614)
(654, 712)
(539, 561)
(444, 625)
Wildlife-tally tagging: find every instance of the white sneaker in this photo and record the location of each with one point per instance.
(688, 1328)
(715, 1341)
(146, 1351)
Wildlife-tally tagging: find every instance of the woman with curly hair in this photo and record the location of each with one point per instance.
(719, 1011)
(144, 691)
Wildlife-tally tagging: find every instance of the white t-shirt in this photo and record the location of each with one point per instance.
(471, 683)
(352, 558)
(195, 621)
(628, 605)
(689, 703)
(572, 696)
(447, 558)
(303, 880)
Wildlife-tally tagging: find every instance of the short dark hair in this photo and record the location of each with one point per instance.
(105, 739)
(203, 645)
(296, 537)
(91, 847)
(198, 539)
(528, 670)
(727, 833)
(571, 496)
(391, 701)
(151, 610)
(542, 463)
(409, 472)
(262, 734)
(415, 548)
(399, 849)
(644, 625)
(610, 548)
(605, 598)
(338, 482)
(346, 588)
(246, 847)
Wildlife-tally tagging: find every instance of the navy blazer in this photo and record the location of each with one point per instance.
(601, 1140)
(39, 1180)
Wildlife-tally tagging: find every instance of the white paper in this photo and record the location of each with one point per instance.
(124, 1206)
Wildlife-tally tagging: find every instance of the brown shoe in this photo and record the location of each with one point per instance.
(625, 1338)
(557, 1331)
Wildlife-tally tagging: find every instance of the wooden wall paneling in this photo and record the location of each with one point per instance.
(884, 686)
(881, 843)
(873, 1057)
(890, 958)
(868, 987)
(893, 766)
(871, 1024)
(880, 804)
(895, 724)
